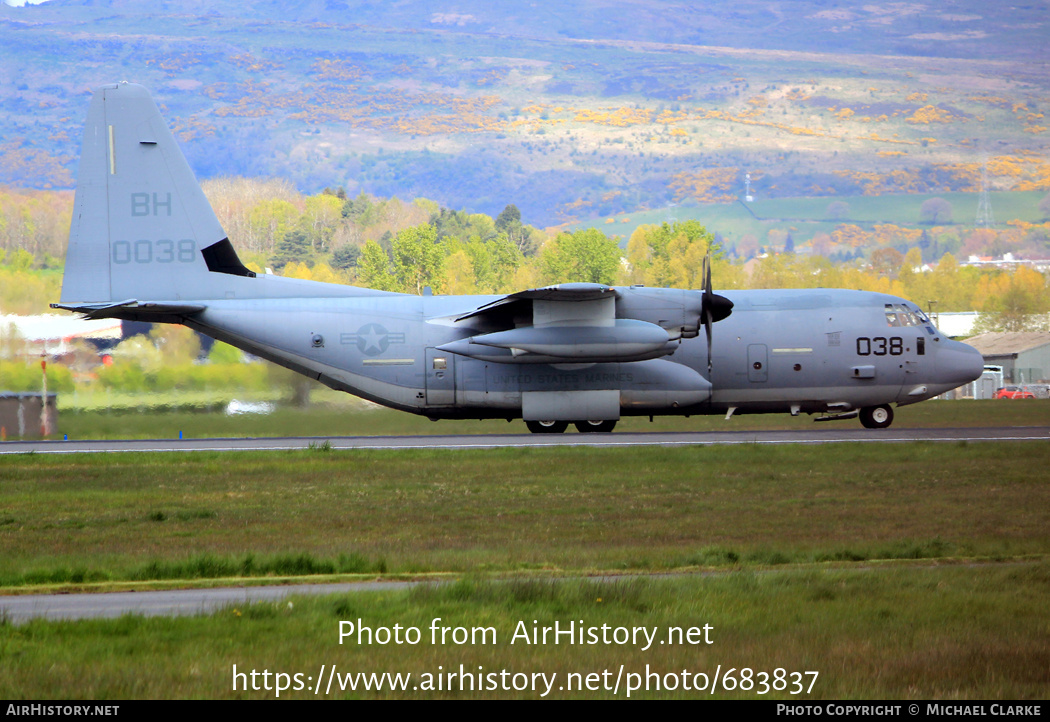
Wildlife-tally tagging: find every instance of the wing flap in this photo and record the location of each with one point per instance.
(562, 293)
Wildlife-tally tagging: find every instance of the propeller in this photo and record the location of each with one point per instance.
(714, 308)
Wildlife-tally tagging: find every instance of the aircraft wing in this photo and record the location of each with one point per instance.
(567, 323)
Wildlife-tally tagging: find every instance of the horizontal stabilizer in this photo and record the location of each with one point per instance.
(132, 310)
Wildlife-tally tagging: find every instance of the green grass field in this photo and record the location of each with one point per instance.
(336, 414)
(911, 571)
(805, 217)
(954, 632)
(125, 518)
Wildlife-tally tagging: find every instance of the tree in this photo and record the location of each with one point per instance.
(320, 218)
(177, 344)
(374, 268)
(935, 211)
(586, 255)
(20, 261)
(509, 222)
(837, 210)
(356, 209)
(345, 257)
(297, 386)
(325, 274)
(295, 246)
(418, 258)
(887, 262)
(747, 246)
(1015, 301)
(508, 216)
(670, 255)
(235, 200)
(949, 285)
(270, 220)
(506, 258)
(1044, 206)
(223, 353)
(459, 273)
(910, 268)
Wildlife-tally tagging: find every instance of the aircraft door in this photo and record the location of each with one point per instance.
(440, 378)
(914, 358)
(757, 363)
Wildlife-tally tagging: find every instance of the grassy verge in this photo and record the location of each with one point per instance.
(935, 633)
(73, 519)
(340, 415)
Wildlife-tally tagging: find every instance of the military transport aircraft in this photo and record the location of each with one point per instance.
(145, 245)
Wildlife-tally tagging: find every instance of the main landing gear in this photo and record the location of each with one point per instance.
(587, 427)
(557, 427)
(876, 417)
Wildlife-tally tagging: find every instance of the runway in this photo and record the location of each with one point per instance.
(820, 434)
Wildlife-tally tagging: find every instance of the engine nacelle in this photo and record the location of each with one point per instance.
(676, 310)
(623, 341)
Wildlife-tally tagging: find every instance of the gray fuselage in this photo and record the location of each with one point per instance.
(780, 351)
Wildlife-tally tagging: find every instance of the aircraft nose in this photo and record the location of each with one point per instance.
(959, 363)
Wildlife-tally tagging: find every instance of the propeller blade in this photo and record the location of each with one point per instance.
(714, 308)
(707, 308)
(707, 329)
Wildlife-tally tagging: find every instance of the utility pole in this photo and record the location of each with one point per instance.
(45, 426)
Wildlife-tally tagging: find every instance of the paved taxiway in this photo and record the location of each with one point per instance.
(175, 602)
(819, 435)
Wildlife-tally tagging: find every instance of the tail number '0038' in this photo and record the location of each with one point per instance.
(162, 251)
(880, 346)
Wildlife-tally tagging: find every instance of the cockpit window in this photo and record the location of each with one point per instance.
(920, 319)
(898, 315)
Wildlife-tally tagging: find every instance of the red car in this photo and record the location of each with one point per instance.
(1013, 392)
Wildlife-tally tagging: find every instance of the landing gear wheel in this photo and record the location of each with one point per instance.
(547, 427)
(876, 417)
(587, 427)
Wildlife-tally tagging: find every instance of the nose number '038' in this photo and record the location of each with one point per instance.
(880, 346)
(162, 251)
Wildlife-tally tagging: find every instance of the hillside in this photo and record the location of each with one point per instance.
(568, 110)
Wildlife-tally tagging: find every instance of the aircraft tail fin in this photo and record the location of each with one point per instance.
(142, 227)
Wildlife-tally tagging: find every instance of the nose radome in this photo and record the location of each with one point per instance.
(959, 363)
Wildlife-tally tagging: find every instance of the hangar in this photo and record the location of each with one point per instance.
(1024, 356)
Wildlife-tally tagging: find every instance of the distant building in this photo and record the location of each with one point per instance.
(27, 415)
(1008, 262)
(53, 334)
(956, 323)
(1024, 356)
